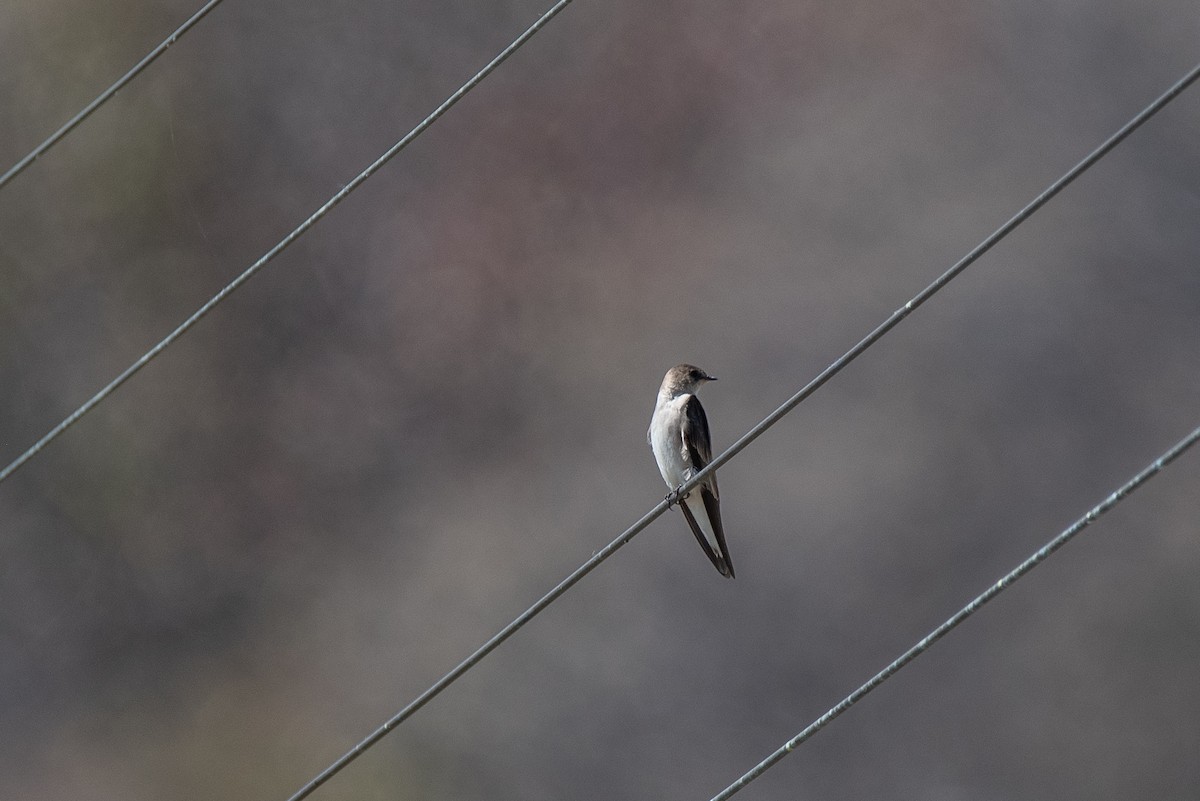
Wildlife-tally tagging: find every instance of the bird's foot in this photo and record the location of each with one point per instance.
(675, 496)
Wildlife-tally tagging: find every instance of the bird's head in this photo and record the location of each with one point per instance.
(685, 379)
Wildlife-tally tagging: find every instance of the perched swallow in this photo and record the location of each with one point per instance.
(682, 447)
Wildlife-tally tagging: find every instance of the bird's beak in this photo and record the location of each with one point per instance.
(710, 378)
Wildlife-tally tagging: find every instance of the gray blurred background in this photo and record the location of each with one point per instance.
(433, 407)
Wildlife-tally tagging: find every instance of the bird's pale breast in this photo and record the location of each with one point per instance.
(666, 440)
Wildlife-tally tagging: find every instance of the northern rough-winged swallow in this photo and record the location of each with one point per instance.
(682, 447)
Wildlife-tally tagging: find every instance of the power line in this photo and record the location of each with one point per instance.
(283, 244)
(974, 606)
(483, 650)
(965, 262)
(106, 95)
(836, 367)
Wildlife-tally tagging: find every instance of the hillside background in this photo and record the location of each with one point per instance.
(433, 407)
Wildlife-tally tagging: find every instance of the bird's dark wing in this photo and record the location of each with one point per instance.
(696, 437)
(698, 442)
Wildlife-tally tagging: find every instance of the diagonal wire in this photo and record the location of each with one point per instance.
(974, 606)
(283, 243)
(106, 95)
(484, 650)
(834, 368)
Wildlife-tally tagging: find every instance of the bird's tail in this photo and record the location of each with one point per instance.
(709, 534)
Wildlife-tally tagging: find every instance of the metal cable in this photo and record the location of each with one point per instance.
(106, 95)
(836, 367)
(233, 285)
(974, 606)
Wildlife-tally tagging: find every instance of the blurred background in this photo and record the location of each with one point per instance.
(433, 407)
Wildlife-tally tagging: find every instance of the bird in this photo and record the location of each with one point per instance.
(682, 446)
